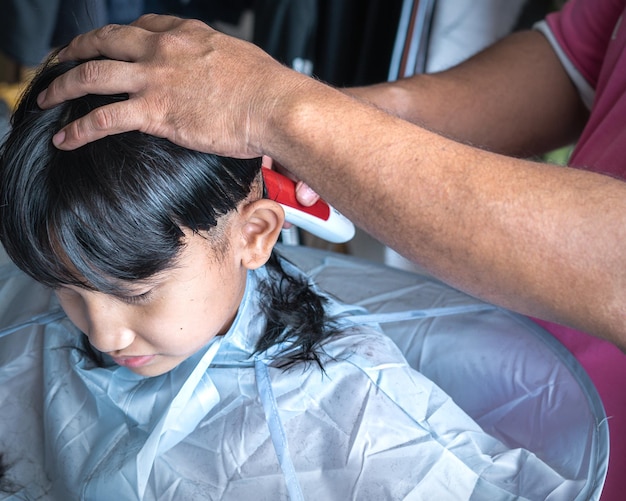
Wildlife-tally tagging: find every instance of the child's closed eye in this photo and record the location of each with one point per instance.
(137, 299)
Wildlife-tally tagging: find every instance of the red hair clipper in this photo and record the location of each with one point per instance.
(321, 219)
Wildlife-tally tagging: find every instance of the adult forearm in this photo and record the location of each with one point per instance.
(542, 240)
(514, 98)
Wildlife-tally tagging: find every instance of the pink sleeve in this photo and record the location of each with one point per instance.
(583, 29)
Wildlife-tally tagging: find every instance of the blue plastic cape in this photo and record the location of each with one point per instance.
(525, 423)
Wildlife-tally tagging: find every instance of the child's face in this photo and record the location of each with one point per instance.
(168, 318)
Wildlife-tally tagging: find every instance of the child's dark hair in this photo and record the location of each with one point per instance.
(113, 211)
(7, 486)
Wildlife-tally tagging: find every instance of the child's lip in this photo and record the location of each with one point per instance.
(133, 362)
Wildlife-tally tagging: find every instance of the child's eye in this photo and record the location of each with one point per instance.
(138, 299)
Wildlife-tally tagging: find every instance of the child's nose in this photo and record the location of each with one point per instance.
(108, 332)
(110, 338)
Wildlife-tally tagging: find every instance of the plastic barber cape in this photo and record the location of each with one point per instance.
(525, 423)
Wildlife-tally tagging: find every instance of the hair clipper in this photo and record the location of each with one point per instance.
(321, 219)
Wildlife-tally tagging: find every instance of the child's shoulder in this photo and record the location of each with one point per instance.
(363, 346)
(359, 356)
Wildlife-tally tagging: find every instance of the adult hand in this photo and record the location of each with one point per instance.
(304, 193)
(186, 82)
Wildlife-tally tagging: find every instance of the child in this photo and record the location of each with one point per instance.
(200, 365)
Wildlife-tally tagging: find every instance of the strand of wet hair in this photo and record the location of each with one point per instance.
(6, 485)
(295, 313)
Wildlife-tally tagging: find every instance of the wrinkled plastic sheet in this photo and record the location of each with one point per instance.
(514, 379)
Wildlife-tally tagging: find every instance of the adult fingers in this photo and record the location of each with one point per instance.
(157, 23)
(112, 119)
(267, 162)
(305, 195)
(123, 42)
(96, 76)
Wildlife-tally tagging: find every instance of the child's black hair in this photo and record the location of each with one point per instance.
(6, 485)
(114, 210)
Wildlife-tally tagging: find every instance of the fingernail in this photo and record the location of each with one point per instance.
(58, 138)
(306, 195)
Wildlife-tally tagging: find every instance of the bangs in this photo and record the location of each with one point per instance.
(104, 257)
(88, 232)
(112, 211)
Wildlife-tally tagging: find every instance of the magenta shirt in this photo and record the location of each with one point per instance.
(592, 36)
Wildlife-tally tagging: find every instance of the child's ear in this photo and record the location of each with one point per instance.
(262, 221)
